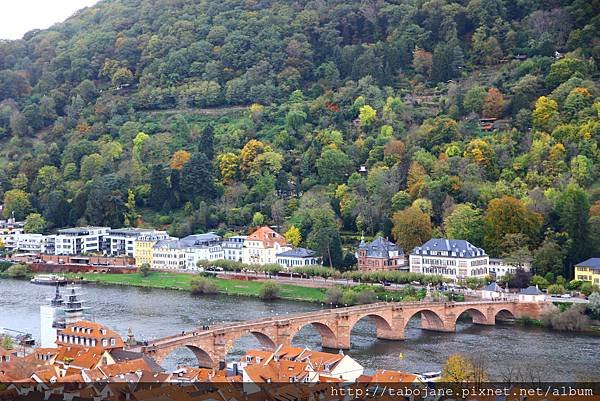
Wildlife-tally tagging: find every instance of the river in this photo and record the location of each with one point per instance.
(152, 313)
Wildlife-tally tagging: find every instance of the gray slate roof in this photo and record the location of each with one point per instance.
(380, 248)
(531, 290)
(191, 241)
(593, 263)
(493, 287)
(298, 253)
(458, 248)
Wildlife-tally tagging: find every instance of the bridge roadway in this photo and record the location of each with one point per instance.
(210, 346)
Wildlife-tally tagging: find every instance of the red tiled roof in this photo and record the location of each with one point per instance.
(268, 237)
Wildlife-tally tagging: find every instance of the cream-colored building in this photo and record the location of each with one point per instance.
(450, 258)
(262, 246)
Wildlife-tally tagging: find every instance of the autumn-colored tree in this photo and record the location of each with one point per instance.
(256, 111)
(293, 236)
(249, 153)
(16, 201)
(595, 209)
(367, 115)
(457, 369)
(422, 61)
(416, 179)
(545, 115)
(411, 228)
(229, 165)
(479, 151)
(394, 150)
(508, 215)
(494, 104)
(179, 158)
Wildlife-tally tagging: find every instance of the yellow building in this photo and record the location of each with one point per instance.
(142, 247)
(588, 270)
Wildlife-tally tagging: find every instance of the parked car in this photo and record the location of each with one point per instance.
(565, 296)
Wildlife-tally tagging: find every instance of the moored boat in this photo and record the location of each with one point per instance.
(49, 279)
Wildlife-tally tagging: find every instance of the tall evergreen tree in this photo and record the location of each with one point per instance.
(197, 178)
(159, 187)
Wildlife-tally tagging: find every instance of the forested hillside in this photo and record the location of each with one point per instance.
(322, 116)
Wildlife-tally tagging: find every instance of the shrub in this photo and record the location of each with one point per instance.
(4, 266)
(366, 297)
(587, 288)
(270, 290)
(334, 296)
(593, 306)
(572, 319)
(18, 271)
(203, 286)
(556, 289)
(144, 269)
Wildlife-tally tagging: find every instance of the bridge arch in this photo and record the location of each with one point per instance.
(503, 314)
(328, 337)
(205, 360)
(430, 320)
(477, 316)
(384, 327)
(263, 339)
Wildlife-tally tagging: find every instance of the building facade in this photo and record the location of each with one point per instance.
(168, 254)
(80, 240)
(142, 246)
(262, 246)
(297, 257)
(379, 255)
(201, 247)
(185, 253)
(455, 259)
(34, 243)
(233, 248)
(500, 268)
(588, 270)
(121, 241)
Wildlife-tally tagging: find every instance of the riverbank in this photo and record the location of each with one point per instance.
(181, 282)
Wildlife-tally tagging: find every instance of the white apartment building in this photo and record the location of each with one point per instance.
(262, 246)
(500, 268)
(9, 232)
(185, 253)
(450, 258)
(121, 241)
(233, 248)
(79, 240)
(34, 243)
(202, 247)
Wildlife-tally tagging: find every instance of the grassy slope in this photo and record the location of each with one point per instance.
(180, 281)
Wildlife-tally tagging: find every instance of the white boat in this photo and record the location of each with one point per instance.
(49, 279)
(430, 376)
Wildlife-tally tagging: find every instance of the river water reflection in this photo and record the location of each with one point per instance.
(152, 313)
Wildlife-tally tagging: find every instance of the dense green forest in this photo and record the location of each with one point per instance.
(324, 117)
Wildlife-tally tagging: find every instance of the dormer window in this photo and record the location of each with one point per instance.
(103, 331)
(104, 342)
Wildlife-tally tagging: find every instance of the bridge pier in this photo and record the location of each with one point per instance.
(396, 329)
(433, 323)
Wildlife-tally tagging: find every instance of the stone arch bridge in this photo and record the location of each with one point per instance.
(334, 326)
